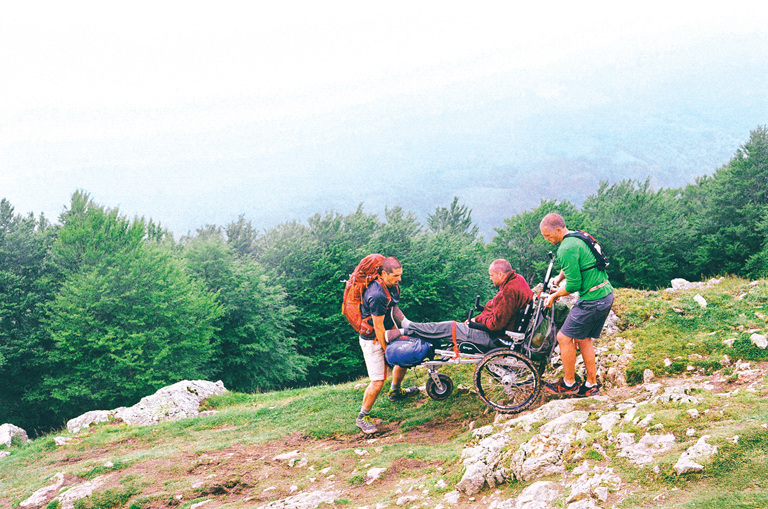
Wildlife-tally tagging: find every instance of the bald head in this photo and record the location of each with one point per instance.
(553, 220)
(553, 228)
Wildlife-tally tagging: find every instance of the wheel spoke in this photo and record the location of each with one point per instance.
(506, 382)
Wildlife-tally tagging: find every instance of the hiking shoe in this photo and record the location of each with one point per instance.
(403, 393)
(559, 387)
(588, 392)
(366, 425)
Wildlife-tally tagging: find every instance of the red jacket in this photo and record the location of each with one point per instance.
(500, 312)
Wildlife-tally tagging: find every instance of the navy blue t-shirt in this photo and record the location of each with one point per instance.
(375, 303)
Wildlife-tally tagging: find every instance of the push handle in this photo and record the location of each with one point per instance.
(477, 303)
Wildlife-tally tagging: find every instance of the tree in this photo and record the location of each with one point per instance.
(731, 207)
(456, 219)
(27, 284)
(520, 241)
(644, 233)
(444, 274)
(242, 236)
(127, 319)
(311, 262)
(254, 344)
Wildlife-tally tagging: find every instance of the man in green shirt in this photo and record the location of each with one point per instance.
(586, 319)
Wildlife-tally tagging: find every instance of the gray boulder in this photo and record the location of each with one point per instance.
(9, 432)
(688, 461)
(177, 401)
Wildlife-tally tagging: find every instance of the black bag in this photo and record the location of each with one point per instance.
(601, 261)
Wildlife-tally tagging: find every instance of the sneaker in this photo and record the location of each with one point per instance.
(366, 425)
(403, 393)
(559, 387)
(587, 392)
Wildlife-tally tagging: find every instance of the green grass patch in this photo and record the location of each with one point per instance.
(673, 326)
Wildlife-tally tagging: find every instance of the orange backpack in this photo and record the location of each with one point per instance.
(366, 272)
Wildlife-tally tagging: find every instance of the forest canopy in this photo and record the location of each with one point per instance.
(98, 310)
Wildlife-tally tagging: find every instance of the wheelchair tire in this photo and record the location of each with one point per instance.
(507, 381)
(434, 392)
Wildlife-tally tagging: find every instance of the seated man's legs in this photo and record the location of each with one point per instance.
(443, 331)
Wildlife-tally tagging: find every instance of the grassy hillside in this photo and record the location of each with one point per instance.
(230, 458)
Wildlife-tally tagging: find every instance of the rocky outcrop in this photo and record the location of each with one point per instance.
(44, 495)
(10, 434)
(681, 284)
(177, 401)
(566, 436)
(67, 495)
(688, 461)
(303, 501)
(543, 454)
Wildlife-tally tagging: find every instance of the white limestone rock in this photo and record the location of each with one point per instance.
(41, 497)
(759, 340)
(177, 401)
(688, 461)
(642, 452)
(72, 495)
(538, 495)
(609, 420)
(9, 432)
(544, 413)
(309, 500)
(543, 454)
(374, 474)
(595, 484)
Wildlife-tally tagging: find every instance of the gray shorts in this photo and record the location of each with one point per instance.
(587, 318)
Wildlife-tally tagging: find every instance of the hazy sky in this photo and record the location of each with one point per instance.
(157, 107)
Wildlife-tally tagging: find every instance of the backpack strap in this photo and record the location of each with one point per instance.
(590, 242)
(386, 291)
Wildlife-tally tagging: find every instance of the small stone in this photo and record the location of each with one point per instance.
(374, 474)
(647, 375)
(690, 432)
(701, 301)
(286, 456)
(693, 413)
(729, 342)
(759, 340)
(452, 497)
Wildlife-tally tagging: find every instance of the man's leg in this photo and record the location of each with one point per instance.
(588, 355)
(398, 373)
(566, 385)
(396, 392)
(432, 330)
(377, 372)
(567, 357)
(371, 393)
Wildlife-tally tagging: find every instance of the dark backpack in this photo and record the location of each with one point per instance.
(601, 261)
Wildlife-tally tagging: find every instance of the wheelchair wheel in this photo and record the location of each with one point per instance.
(507, 381)
(434, 391)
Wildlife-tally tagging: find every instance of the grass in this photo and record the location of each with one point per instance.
(671, 325)
(232, 451)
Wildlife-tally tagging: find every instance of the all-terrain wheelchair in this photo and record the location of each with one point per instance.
(508, 373)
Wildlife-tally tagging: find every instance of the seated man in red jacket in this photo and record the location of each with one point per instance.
(498, 315)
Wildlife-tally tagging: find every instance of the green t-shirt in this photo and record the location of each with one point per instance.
(574, 255)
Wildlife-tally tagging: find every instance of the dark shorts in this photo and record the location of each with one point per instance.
(587, 318)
